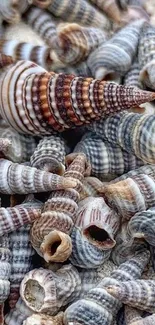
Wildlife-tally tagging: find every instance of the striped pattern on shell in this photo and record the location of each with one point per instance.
(110, 8)
(132, 77)
(138, 294)
(105, 157)
(98, 305)
(114, 57)
(5, 268)
(50, 102)
(90, 187)
(9, 11)
(133, 132)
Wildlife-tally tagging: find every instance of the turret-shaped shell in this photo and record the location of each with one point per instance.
(132, 76)
(18, 314)
(50, 234)
(110, 8)
(99, 307)
(133, 194)
(32, 99)
(50, 155)
(74, 42)
(21, 146)
(146, 56)
(105, 157)
(41, 319)
(27, 51)
(138, 294)
(9, 11)
(132, 315)
(114, 58)
(43, 23)
(133, 132)
(16, 178)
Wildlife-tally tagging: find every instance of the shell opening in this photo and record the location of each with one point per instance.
(99, 237)
(104, 74)
(54, 246)
(34, 294)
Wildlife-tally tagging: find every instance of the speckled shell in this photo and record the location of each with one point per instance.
(46, 93)
(5, 268)
(105, 157)
(134, 194)
(9, 11)
(50, 155)
(114, 58)
(74, 42)
(18, 314)
(22, 146)
(146, 55)
(138, 294)
(18, 178)
(132, 77)
(133, 132)
(27, 51)
(50, 234)
(99, 307)
(41, 319)
(43, 23)
(110, 8)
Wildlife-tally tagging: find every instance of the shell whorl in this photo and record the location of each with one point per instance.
(46, 93)
(5, 268)
(132, 77)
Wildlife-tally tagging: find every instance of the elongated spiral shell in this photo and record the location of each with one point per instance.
(18, 314)
(50, 155)
(133, 132)
(114, 57)
(132, 77)
(99, 306)
(110, 8)
(41, 319)
(105, 157)
(50, 234)
(58, 102)
(139, 294)
(16, 178)
(74, 42)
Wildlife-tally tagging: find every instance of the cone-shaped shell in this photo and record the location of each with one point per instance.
(138, 294)
(133, 132)
(16, 178)
(46, 93)
(41, 319)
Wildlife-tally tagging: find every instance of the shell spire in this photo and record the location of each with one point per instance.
(41, 112)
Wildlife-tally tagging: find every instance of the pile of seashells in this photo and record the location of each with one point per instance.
(77, 164)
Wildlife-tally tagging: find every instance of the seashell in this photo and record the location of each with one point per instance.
(21, 146)
(5, 270)
(5, 60)
(9, 11)
(27, 51)
(50, 155)
(146, 55)
(74, 42)
(105, 157)
(90, 187)
(110, 8)
(98, 306)
(41, 319)
(136, 293)
(149, 320)
(18, 314)
(43, 23)
(114, 57)
(123, 4)
(21, 179)
(134, 194)
(81, 12)
(132, 315)
(50, 234)
(4, 145)
(41, 112)
(81, 69)
(130, 132)
(132, 76)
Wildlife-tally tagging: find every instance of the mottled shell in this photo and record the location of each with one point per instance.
(46, 93)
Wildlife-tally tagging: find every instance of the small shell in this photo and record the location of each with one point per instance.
(41, 319)
(114, 58)
(18, 314)
(16, 178)
(132, 77)
(138, 294)
(50, 155)
(110, 8)
(46, 93)
(105, 157)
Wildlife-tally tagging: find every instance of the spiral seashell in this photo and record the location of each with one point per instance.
(41, 112)
(41, 319)
(90, 187)
(105, 157)
(132, 315)
(43, 23)
(133, 132)
(21, 146)
(9, 11)
(98, 306)
(50, 234)
(18, 314)
(27, 51)
(138, 294)
(50, 155)
(146, 55)
(74, 42)
(114, 58)
(110, 8)
(132, 76)
(16, 178)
